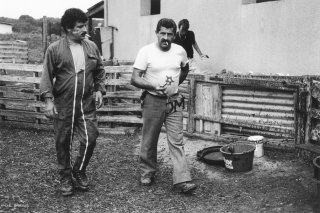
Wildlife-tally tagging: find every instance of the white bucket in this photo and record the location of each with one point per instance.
(258, 140)
(259, 150)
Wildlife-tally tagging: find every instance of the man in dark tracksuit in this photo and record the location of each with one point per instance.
(72, 72)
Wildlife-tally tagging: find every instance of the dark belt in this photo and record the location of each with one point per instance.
(158, 96)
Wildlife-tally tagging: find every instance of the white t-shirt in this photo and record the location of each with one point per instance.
(78, 56)
(162, 67)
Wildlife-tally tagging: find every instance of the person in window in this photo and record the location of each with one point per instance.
(72, 85)
(159, 68)
(187, 40)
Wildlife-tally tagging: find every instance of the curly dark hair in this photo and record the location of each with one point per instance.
(184, 23)
(167, 23)
(71, 16)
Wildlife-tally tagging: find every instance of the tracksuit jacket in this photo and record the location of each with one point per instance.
(73, 95)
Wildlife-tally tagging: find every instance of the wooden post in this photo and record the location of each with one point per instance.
(37, 97)
(191, 105)
(217, 103)
(2, 106)
(44, 34)
(308, 109)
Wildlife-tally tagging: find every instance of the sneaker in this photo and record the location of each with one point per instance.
(185, 187)
(146, 181)
(81, 180)
(66, 187)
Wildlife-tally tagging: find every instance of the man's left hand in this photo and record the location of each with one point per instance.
(99, 99)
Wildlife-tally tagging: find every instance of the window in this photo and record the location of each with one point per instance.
(150, 7)
(255, 1)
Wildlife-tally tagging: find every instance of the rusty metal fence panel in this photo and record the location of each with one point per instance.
(253, 111)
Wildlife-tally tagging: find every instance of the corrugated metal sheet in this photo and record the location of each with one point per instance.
(251, 111)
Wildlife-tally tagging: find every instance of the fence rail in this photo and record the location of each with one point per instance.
(217, 107)
(13, 52)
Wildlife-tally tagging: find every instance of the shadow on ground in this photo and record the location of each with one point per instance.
(28, 180)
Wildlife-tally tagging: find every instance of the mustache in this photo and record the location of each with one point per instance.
(164, 40)
(85, 34)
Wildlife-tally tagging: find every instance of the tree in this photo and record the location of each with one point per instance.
(26, 24)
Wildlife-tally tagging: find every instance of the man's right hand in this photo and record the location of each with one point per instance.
(50, 109)
(160, 90)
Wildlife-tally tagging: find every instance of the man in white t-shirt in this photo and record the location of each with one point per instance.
(159, 68)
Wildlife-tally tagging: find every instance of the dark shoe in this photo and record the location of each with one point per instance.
(185, 187)
(146, 181)
(66, 187)
(81, 180)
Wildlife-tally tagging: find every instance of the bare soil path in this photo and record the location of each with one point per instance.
(28, 180)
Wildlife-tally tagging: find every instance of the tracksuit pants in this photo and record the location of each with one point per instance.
(87, 130)
(155, 112)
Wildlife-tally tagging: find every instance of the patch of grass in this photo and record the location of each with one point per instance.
(29, 182)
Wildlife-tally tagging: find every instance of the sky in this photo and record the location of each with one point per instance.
(39, 8)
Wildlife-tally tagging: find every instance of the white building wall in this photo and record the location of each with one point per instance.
(5, 28)
(272, 37)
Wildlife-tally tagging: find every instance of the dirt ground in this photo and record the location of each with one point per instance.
(278, 182)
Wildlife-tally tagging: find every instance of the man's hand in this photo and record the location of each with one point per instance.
(160, 90)
(99, 99)
(50, 109)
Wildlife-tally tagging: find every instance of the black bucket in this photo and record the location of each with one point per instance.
(316, 167)
(211, 155)
(316, 173)
(238, 157)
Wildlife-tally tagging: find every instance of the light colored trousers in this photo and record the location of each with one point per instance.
(155, 112)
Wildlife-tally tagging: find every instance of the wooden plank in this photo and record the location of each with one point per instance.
(276, 122)
(21, 79)
(21, 57)
(254, 92)
(14, 47)
(258, 113)
(207, 107)
(22, 67)
(18, 54)
(191, 121)
(244, 131)
(21, 102)
(262, 107)
(310, 147)
(123, 94)
(19, 88)
(257, 83)
(118, 69)
(120, 108)
(198, 106)
(16, 43)
(217, 106)
(115, 82)
(117, 130)
(21, 95)
(256, 100)
(23, 114)
(308, 119)
(120, 119)
(20, 61)
(284, 129)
